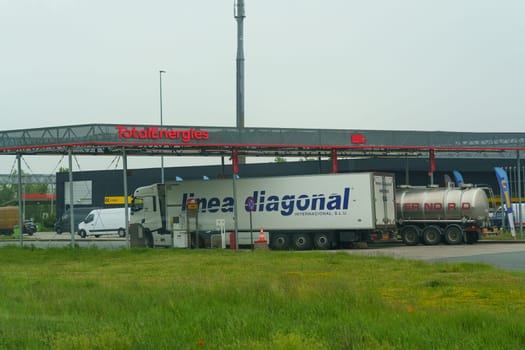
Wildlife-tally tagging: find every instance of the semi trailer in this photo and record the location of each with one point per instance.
(299, 212)
(309, 211)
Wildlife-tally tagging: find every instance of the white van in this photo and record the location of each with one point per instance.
(103, 222)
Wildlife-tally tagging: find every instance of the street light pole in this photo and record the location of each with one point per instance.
(239, 15)
(161, 124)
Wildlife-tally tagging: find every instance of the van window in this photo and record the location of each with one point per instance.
(89, 218)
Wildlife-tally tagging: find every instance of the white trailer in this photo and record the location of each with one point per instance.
(298, 212)
(99, 222)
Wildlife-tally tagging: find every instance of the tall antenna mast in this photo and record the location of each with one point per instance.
(239, 17)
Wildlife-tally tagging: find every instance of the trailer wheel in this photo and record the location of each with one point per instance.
(322, 241)
(410, 235)
(82, 233)
(280, 241)
(431, 235)
(453, 234)
(302, 241)
(121, 232)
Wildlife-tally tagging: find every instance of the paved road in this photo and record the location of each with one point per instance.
(54, 240)
(507, 256)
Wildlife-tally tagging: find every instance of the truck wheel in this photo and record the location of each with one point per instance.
(431, 235)
(410, 235)
(453, 234)
(148, 239)
(58, 231)
(322, 241)
(121, 232)
(280, 241)
(82, 233)
(302, 241)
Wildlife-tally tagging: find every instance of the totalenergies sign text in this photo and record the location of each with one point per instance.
(155, 133)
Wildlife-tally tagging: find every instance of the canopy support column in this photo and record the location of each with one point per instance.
(126, 204)
(235, 168)
(335, 165)
(71, 199)
(20, 212)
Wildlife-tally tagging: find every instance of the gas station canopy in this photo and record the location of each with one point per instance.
(107, 139)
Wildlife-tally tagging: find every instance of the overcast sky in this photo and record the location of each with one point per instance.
(451, 65)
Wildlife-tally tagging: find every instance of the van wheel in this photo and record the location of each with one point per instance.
(121, 232)
(82, 233)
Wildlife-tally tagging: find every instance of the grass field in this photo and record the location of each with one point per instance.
(504, 235)
(179, 299)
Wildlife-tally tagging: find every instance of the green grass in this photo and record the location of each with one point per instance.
(504, 235)
(179, 299)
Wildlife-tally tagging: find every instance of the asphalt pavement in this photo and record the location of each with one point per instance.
(507, 255)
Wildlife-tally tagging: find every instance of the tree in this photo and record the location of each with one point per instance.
(8, 194)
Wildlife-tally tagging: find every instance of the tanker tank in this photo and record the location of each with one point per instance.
(465, 205)
(433, 214)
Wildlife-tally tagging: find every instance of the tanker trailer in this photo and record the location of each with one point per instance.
(430, 214)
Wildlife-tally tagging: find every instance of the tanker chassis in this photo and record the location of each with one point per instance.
(297, 212)
(312, 211)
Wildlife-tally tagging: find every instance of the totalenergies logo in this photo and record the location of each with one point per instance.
(154, 133)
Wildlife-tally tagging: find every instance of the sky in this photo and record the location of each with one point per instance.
(444, 65)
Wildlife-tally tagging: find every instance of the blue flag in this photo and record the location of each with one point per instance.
(458, 178)
(503, 182)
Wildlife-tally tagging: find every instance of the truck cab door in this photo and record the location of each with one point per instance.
(147, 213)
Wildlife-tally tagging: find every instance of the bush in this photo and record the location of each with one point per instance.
(49, 223)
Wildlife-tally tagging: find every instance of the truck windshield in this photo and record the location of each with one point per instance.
(137, 204)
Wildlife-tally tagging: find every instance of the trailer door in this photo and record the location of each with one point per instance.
(384, 196)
